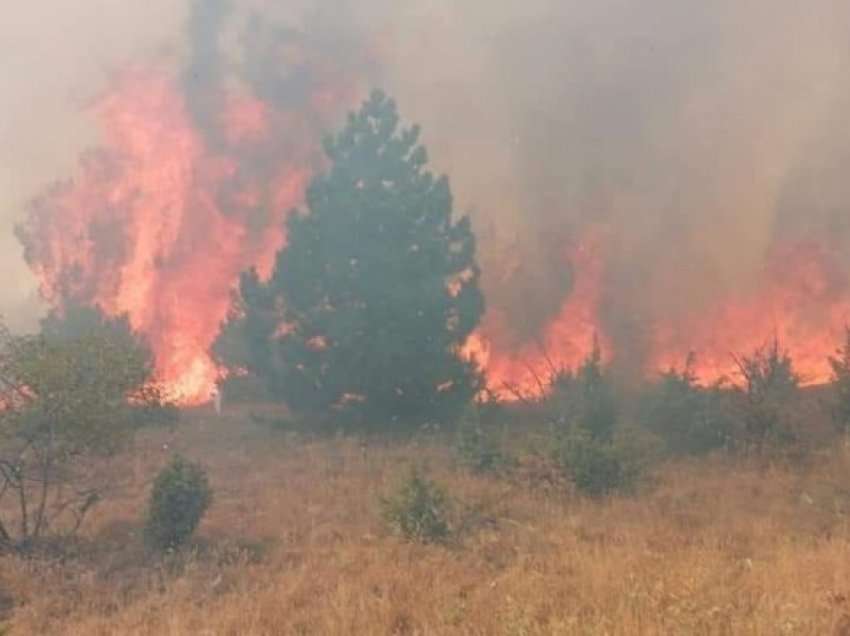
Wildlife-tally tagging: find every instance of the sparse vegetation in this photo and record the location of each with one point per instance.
(778, 539)
(180, 496)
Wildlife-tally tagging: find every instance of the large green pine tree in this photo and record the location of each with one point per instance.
(377, 288)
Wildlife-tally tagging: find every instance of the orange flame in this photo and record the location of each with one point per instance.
(802, 300)
(142, 229)
(565, 343)
(159, 223)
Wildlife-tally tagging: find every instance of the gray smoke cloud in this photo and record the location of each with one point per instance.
(699, 134)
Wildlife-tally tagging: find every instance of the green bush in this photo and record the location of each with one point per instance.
(840, 364)
(585, 398)
(691, 420)
(599, 406)
(588, 441)
(767, 399)
(72, 397)
(180, 496)
(477, 444)
(419, 510)
(599, 467)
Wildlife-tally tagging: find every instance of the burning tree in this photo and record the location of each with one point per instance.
(68, 398)
(377, 290)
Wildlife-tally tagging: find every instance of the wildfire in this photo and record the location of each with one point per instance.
(564, 344)
(158, 226)
(160, 220)
(802, 299)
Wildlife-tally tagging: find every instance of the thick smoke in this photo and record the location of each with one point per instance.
(695, 133)
(202, 77)
(696, 136)
(298, 73)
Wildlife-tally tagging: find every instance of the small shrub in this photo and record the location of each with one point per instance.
(585, 398)
(477, 445)
(592, 465)
(771, 387)
(600, 467)
(690, 419)
(587, 441)
(419, 510)
(181, 495)
(840, 364)
(599, 408)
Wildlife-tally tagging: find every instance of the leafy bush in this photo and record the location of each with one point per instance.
(180, 496)
(691, 420)
(419, 510)
(70, 398)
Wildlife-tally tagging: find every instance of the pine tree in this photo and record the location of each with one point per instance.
(377, 288)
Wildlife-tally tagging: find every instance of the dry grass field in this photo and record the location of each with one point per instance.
(294, 544)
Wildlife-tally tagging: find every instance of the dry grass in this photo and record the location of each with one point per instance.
(294, 545)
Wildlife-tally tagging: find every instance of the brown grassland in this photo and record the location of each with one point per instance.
(294, 544)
